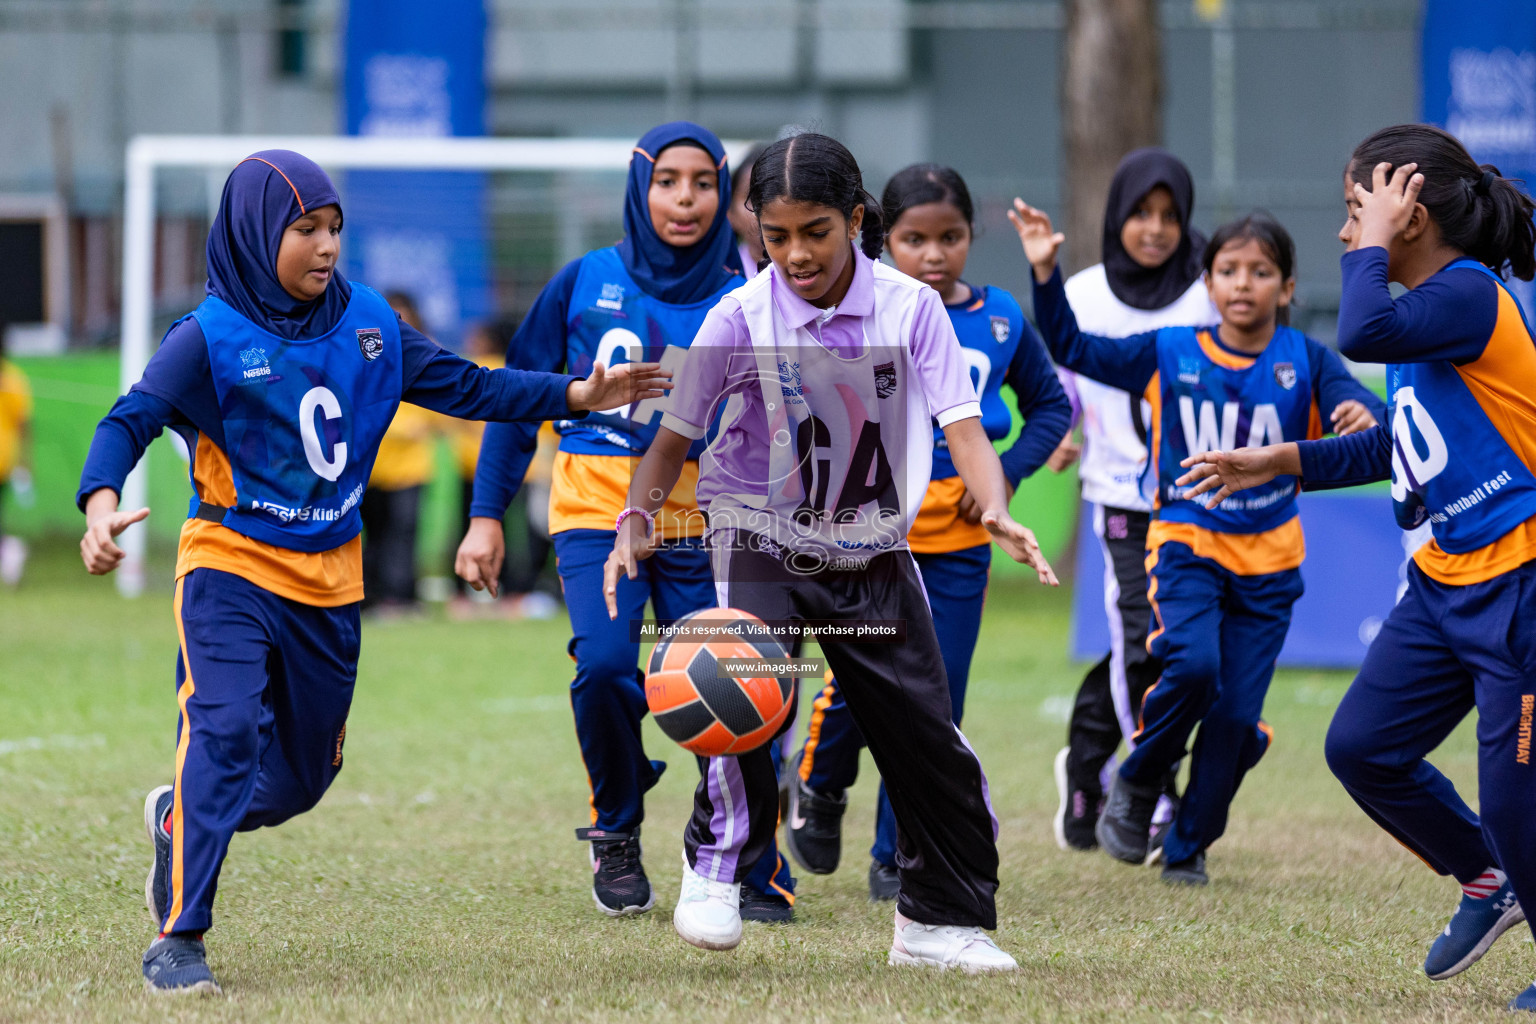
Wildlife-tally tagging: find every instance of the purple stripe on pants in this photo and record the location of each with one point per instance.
(728, 824)
(986, 793)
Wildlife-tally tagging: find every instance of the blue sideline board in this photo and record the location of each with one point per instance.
(1356, 562)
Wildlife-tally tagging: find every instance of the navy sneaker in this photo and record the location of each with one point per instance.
(1525, 1000)
(884, 883)
(765, 907)
(1473, 927)
(1077, 809)
(814, 826)
(619, 885)
(178, 965)
(1126, 820)
(1187, 872)
(157, 805)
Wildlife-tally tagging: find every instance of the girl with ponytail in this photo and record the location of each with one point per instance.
(836, 367)
(1460, 450)
(929, 219)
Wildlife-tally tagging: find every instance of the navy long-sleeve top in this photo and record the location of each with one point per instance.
(177, 391)
(508, 448)
(1129, 363)
(1451, 316)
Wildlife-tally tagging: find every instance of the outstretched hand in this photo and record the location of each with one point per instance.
(97, 548)
(610, 388)
(1229, 471)
(1036, 235)
(1019, 541)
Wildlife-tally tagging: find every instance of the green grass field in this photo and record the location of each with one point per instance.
(439, 879)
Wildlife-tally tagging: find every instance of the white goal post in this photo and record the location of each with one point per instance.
(147, 154)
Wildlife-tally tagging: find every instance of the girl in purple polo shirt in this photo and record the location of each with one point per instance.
(838, 365)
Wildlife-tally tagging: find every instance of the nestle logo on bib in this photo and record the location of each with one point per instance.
(1000, 329)
(253, 360)
(612, 297)
(370, 342)
(1285, 375)
(885, 379)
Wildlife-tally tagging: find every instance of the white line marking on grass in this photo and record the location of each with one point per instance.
(1056, 709)
(59, 742)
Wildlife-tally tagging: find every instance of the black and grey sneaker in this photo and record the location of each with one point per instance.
(765, 907)
(619, 885)
(157, 806)
(178, 965)
(1126, 820)
(1077, 809)
(884, 883)
(814, 829)
(1187, 872)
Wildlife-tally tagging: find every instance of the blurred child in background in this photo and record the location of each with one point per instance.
(15, 458)
(1149, 276)
(749, 239)
(527, 533)
(392, 504)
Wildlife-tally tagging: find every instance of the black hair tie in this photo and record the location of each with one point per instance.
(1485, 183)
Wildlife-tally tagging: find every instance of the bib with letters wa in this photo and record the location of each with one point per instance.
(1212, 399)
(303, 419)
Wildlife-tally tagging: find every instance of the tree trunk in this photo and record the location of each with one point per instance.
(1112, 84)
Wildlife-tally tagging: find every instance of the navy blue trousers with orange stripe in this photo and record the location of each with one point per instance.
(263, 685)
(1217, 634)
(956, 584)
(1443, 652)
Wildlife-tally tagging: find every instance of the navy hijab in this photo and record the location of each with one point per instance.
(265, 193)
(677, 275)
(1139, 173)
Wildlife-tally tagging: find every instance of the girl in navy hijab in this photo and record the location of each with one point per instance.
(644, 298)
(281, 382)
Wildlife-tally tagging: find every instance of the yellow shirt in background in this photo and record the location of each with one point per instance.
(405, 453)
(15, 413)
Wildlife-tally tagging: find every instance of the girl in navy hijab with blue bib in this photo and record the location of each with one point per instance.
(281, 383)
(643, 298)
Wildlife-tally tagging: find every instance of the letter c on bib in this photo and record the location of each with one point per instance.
(314, 451)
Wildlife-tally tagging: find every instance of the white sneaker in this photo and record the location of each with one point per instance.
(946, 945)
(708, 914)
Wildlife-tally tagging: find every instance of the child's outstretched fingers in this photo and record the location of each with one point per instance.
(625, 384)
(97, 549)
(1222, 472)
(1036, 235)
(1019, 541)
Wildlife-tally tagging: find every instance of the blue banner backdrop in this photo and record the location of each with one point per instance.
(1479, 66)
(418, 70)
